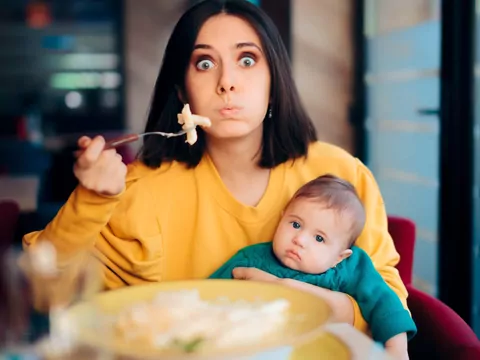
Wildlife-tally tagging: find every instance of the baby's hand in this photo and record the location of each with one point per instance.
(397, 347)
(250, 273)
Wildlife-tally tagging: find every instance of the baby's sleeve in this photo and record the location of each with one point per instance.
(380, 305)
(240, 259)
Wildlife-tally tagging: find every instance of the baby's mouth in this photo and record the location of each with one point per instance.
(293, 254)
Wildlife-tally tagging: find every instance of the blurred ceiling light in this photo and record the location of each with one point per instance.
(89, 61)
(73, 99)
(111, 80)
(110, 99)
(71, 80)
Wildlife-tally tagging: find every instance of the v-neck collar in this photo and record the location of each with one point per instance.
(224, 197)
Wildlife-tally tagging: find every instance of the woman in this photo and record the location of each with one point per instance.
(180, 211)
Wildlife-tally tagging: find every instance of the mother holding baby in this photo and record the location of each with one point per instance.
(180, 211)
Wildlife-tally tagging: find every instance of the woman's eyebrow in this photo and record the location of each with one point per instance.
(202, 46)
(248, 44)
(238, 46)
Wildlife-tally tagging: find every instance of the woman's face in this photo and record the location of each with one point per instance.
(228, 78)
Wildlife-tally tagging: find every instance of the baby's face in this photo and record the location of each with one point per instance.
(311, 238)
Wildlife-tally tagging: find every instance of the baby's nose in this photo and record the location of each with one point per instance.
(299, 240)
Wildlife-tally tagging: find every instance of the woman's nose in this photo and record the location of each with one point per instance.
(226, 82)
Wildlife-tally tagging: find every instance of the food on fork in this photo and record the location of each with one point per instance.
(190, 121)
(186, 118)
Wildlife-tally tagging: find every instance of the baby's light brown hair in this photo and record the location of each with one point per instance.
(339, 195)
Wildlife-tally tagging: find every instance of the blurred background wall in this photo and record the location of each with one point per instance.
(147, 29)
(322, 57)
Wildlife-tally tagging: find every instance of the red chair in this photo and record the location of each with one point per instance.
(442, 334)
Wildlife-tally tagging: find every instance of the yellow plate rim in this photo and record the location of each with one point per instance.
(92, 340)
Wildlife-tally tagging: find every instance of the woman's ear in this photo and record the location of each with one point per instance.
(181, 95)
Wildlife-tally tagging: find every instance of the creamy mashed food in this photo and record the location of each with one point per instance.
(189, 122)
(183, 320)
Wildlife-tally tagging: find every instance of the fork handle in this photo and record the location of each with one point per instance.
(113, 143)
(121, 140)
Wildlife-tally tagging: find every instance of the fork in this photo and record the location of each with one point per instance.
(129, 138)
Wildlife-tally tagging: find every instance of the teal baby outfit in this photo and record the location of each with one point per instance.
(355, 276)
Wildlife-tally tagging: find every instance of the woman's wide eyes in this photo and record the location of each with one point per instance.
(205, 64)
(247, 61)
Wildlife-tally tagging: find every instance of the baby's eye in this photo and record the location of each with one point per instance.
(247, 61)
(295, 225)
(319, 238)
(205, 64)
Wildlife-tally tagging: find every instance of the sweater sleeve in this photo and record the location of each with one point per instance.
(379, 304)
(76, 226)
(240, 259)
(375, 239)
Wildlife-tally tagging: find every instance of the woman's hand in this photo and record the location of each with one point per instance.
(99, 170)
(340, 303)
(397, 347)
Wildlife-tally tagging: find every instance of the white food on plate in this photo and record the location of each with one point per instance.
(183, 317)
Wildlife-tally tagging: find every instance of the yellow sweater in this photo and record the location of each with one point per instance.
(177, 223)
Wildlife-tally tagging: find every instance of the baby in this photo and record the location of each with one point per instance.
(314, 243)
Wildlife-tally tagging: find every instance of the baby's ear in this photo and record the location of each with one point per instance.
(344, 255)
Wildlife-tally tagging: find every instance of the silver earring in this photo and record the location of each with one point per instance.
(269, 113)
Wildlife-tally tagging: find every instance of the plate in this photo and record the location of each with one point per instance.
(312, 310)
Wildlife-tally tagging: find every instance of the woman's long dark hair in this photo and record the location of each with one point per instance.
(286, 135)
